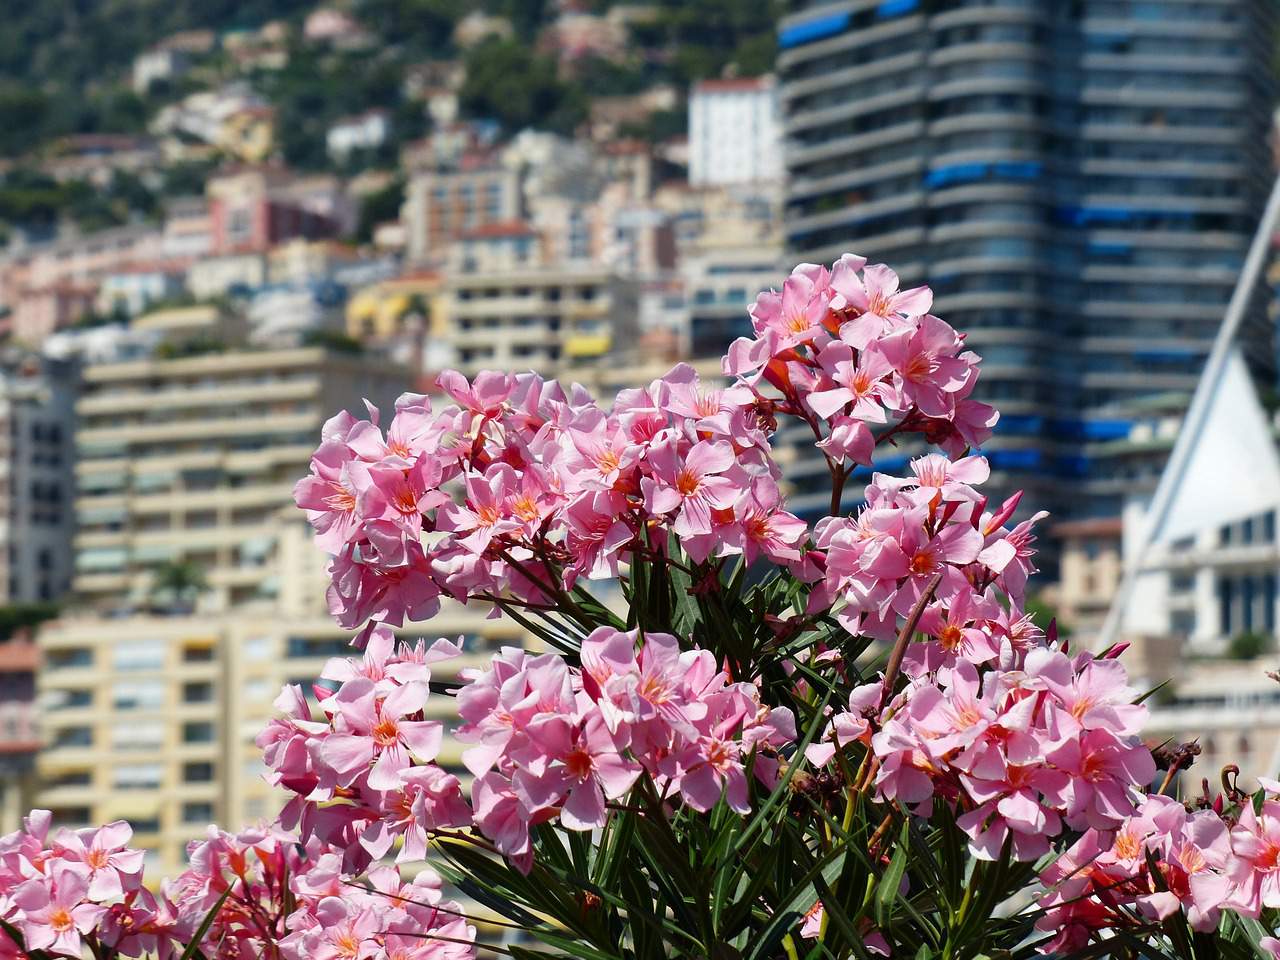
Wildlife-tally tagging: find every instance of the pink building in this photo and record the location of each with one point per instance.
(19, 732)
(256, 208)
(40, 311)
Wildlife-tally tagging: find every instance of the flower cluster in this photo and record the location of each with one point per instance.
(361, 771)
(76, 888)
(268, 896)
(931, 526)
(551, 741)
(277, 897)
(849, 351)
(1025, 752)
(1163, 859)
(519, 487)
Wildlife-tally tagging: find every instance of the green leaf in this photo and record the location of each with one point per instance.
(193, 948)
(887, 889)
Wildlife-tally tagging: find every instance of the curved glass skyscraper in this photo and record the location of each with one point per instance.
(1078, 180)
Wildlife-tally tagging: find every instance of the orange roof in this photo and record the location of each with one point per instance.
(731, 84)
(501, 228)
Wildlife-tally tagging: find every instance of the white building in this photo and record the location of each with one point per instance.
(735, 133)
(1204, 607)
(160, 63)
(135, 288)
(365, 131)
(1210, 573)
(283, 315)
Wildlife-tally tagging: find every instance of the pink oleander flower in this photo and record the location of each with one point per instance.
(693, 484)
(848, 726)
(858, 383)
(55, 914)
(924, 356)
(796, 314)
(329, 495)
(428, 799)
(378, 731)
(484, 515)
(111, 867)
(596, 532)
(1104, 775)
(484, 396)
(578, 766)
(364, 587)
(1255, 870)
(938, 478)
(874, 299)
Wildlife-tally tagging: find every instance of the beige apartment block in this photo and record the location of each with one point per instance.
(151, 698)
(193, 460)
(548, 319)
(152, 719)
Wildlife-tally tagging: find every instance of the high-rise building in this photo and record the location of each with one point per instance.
(37, 482)
(200, 591)
(1078, 180)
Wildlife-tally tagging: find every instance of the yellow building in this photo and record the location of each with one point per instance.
(383, 311)
(151, 698)
(153, 719)
(249, 134)
(555, 319)
(193, 460)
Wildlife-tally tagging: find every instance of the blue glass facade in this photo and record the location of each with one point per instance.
(1078, 180)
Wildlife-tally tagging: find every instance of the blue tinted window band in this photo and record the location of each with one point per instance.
(812, 30)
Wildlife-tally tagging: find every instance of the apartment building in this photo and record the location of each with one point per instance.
(441, 205)
(193, 460)
(153, 719)
(506, 309)
(1078, 182)
(37, 482)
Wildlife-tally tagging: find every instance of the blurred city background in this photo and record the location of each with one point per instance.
(222, 221)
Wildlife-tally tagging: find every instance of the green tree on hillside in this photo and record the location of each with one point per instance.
(508, 82)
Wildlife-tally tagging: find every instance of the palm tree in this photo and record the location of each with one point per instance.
(177, 580)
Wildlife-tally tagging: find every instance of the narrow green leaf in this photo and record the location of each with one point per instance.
(887, 889)
(193, 948)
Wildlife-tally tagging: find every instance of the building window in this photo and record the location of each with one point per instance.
(66, 659)
(197, 812)
(74, 737)
(200, 691)
(138, 695)
(139, 655)
(197, 731)
(142, 776)
(197, 772)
